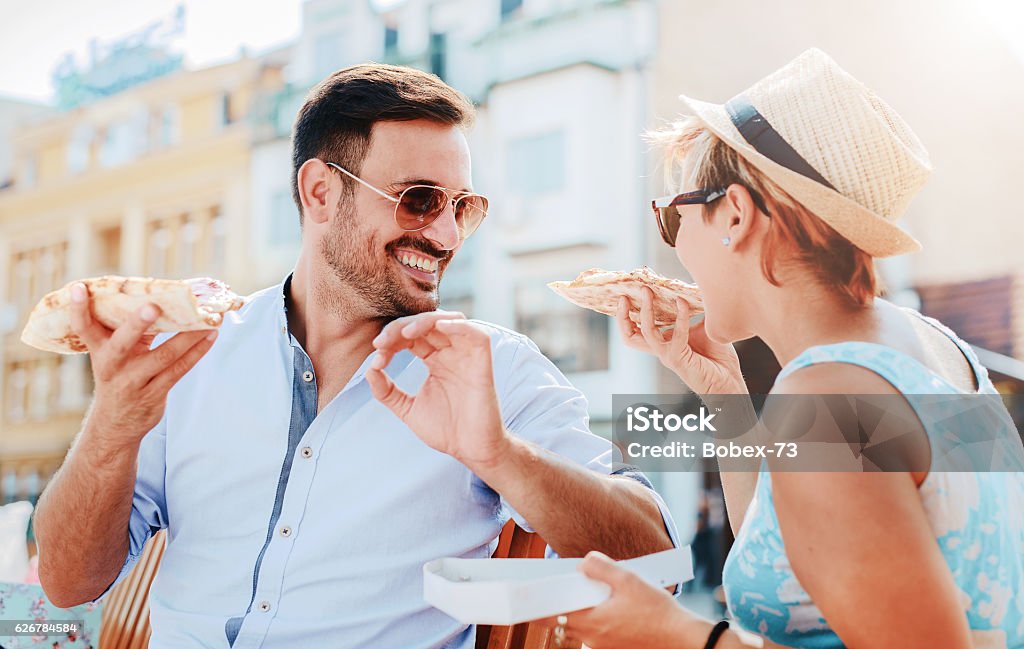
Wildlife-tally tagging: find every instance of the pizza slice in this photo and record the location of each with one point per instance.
(600, 290)
(185, 305)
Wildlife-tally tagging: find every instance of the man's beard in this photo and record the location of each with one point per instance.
(369, 270)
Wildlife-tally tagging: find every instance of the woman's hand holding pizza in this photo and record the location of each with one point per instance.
(706, 367)
(456, 409)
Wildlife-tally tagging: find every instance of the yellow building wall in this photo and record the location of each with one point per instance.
(52, 162)
(167, 212)
(197, 116)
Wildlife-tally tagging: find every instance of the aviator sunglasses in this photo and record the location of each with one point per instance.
(417, 206)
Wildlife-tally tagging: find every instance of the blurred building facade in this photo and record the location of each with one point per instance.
(147, 181)
(152, 179)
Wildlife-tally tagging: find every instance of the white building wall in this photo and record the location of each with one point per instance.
(347, 31)
(592, 218)
(274, 220)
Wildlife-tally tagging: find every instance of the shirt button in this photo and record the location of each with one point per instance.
(265, 606)
(286, 531)
(307, 376)
(306, 452)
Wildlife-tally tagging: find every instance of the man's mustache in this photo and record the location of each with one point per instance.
(420, 245)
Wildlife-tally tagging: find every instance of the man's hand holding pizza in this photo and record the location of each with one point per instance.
(456, 409)
(132, 380)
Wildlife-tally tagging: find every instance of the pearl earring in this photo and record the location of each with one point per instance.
(725, 241)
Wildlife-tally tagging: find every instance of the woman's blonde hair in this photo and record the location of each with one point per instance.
(795, 234)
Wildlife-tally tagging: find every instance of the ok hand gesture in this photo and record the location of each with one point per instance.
(456, 410)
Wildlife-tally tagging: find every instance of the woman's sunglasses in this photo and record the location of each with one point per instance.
(418, 206)
(667, 213)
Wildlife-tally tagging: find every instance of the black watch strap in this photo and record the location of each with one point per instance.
(716, 633)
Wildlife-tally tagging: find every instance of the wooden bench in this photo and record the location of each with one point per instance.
(125, 623)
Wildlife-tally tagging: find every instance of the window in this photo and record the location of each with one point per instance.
(30, 485)
(390, 40)
(287, 111)
(108, 250)
(36, 271)
(47, 265)
(327, 54)
(283, 230)
(188, 239)
(17, 391)
(9, 486)
(79, 147)
(122, 142)
(169, 132)
(158, 246)
(30, 172)
(53, 266)
(510, 9)
(536, 164)
(218, 241)
(192, 243)
(574, 339)
(71, 396)
(22, 277)
(41, 390)
(224, 116)
(438, 54)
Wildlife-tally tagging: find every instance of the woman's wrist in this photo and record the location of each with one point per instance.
(698, 632)
(693, 632)
(688, 630)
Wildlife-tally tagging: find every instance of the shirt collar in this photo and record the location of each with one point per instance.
(398, 363)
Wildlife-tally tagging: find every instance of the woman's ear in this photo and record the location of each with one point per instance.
(314, 181)
(740, 214)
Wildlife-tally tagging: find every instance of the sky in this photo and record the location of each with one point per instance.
(35, 34)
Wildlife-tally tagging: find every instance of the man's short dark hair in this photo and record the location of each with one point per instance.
(336, 121)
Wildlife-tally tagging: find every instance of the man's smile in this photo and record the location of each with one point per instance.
(420, 266)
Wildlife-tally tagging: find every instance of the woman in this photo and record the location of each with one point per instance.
(785, 196)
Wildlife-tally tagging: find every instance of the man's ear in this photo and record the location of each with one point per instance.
(314, 182)
(741, 215)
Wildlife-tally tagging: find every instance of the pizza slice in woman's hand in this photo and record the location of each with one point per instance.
(599, 290)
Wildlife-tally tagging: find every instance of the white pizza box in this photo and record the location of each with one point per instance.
(510, 591)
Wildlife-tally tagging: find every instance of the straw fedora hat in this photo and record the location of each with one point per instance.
(831, 144)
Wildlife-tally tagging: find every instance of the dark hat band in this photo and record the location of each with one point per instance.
(759, 134)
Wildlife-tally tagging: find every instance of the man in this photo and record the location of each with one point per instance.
(301, 483)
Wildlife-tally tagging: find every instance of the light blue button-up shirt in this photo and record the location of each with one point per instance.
(290, 529)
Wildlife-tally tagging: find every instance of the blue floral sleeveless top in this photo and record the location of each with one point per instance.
(977, 518)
